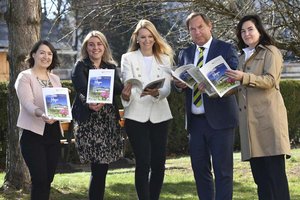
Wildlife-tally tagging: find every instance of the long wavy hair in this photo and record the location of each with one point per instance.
(160, 46)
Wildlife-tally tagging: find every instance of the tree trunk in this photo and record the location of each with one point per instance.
(23, 19)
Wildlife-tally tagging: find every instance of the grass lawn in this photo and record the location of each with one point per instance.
(179, 182)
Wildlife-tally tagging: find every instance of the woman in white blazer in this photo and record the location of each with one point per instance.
(147, 112)
(39, 142)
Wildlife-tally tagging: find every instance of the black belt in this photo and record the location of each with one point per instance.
(199, 115)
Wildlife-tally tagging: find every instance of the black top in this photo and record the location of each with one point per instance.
(80, 74)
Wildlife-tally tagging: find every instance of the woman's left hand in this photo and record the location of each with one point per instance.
(236, 75)
(96, 106)
(152, 92)
(48, 120)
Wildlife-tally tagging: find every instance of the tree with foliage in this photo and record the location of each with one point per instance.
(23, 20)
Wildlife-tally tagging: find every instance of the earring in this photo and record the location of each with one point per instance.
(137, 41)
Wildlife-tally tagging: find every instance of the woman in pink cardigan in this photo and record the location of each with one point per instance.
(39, 141)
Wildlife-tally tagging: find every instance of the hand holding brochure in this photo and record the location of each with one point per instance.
(196, 74)
(191, 75)
(156, 84)
(181, 73)
(57, 103)
(212, 74)
(100, 86)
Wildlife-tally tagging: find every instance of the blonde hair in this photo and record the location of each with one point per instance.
(160, 46)
(107, 55)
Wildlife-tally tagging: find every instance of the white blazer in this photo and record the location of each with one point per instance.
(143, 109)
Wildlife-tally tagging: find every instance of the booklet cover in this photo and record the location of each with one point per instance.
(57, 103)
(212, 74)
(100, 86)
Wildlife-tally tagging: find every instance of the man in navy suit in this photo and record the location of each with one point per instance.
(212, 124)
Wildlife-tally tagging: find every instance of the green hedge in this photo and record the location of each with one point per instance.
(290, 90)
(177, 138)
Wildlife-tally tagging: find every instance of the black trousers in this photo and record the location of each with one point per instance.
(148, 142)
(270, 177)
(41, 155)
(97, 182)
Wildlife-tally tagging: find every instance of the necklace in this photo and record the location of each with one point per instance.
(43, 83)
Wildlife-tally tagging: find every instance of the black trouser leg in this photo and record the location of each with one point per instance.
(270, 177)
(148, 142)
(41, 156)
(158, 139)
(97, 182)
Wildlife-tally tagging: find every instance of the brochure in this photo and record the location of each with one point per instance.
(57, 103)
(212, 74)
(181, 73)
(100, 86)
(158, 83)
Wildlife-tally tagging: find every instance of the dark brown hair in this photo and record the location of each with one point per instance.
(30, 59)
(265, 38)
(196, 14)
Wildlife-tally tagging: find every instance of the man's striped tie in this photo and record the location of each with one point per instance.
(197, 101)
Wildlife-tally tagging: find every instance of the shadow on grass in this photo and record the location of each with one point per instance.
(58, 195)
(179, 190)
(243, 191)
(170, 191)
(184, 190)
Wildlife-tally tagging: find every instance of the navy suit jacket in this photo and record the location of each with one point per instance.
(221, 113)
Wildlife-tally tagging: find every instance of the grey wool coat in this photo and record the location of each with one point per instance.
(262, 113)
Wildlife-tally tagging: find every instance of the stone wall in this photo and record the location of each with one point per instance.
(291, 71)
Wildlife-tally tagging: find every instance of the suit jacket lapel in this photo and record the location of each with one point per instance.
(211, 54)
(191, 54)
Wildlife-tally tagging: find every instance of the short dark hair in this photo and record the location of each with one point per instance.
(265, 38)
(55, 61)
(196, 14)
